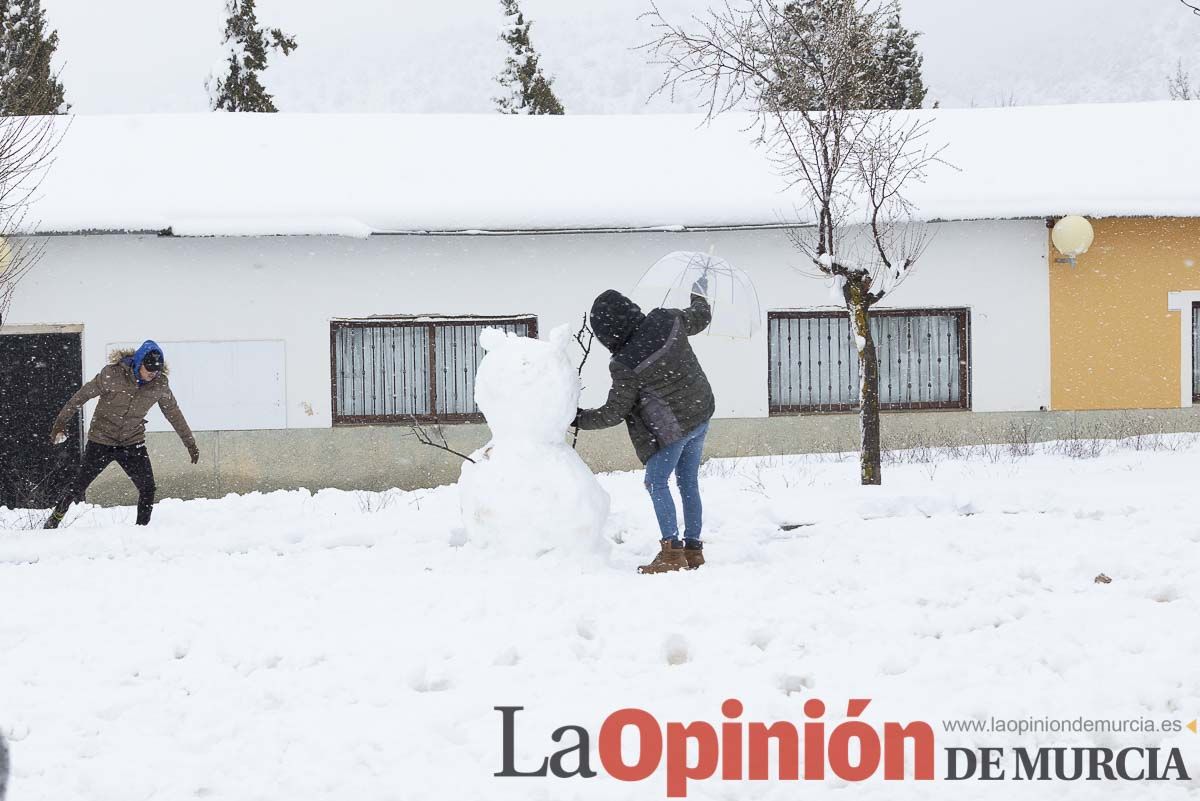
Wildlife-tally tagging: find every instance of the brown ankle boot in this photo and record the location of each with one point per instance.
(669, 558)
(693, 554)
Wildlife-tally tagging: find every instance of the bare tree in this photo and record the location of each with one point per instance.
(27, 145)
(1179, 85)
(853, 164)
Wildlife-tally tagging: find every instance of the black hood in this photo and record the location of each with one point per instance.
(615, 319)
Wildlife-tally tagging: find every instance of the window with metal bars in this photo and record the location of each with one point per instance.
(924, 360)
(395, 370)
(1196, 352)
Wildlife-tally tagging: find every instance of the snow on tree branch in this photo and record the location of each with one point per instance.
(527, 89)
(234, 84)
(28, 83)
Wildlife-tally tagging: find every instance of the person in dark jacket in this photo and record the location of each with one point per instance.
(661, 393)
(3, 768)
(128, 387)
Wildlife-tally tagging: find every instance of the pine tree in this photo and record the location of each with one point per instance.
(811, 36)
(234, 84)
(898, 82)
(888, 77)
(528, 90)
(27, 83)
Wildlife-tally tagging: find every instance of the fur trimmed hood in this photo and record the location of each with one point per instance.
(121, 354)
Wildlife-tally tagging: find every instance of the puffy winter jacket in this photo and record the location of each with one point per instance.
(120, 415)
(3, 768)
(658, 386)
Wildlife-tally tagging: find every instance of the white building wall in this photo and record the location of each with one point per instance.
(125, 288)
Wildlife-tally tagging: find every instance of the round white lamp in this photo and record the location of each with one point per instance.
(1072, 236)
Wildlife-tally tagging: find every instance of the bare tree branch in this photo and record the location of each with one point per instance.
(434, 437)
(585, 330)
(27, 145)
(1179, 85)
(1195, 9)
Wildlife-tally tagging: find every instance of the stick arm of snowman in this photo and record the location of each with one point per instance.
(621, 397)
(586, 346)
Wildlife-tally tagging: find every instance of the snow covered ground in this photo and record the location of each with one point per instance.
(343, 645)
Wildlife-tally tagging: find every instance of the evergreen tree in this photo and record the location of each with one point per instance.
(898, 82)
(886, 70)
(821, 51)
(528, 90)
(27, 83)
(234, 84)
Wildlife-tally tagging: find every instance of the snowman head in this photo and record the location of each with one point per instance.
(527, 388)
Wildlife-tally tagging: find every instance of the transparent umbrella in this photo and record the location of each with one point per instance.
(730, 292)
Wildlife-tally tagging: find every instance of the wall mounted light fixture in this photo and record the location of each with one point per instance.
(1072, 236)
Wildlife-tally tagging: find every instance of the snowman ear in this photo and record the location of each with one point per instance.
(491, 338)
(560, 337)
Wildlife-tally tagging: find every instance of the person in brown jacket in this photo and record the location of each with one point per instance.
(127, 389)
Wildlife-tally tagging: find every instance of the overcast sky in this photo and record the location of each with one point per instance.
(120, 56)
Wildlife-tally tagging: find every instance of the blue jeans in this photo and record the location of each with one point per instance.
(683, 459)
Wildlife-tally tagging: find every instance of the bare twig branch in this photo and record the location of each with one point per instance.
(1195, 9)
(585, 330)
(586, 347)
(1179, 85)
(27, 145)
(28, 138)
(434, 437)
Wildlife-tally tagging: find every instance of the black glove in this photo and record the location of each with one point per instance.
(194, 452)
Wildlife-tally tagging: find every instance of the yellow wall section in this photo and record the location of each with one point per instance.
(1113, 343)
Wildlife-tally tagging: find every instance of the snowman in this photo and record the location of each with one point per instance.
(528, 492)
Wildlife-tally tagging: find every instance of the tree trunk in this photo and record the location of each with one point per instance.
(868, 383)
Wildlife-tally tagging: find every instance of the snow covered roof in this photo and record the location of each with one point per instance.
(248, 174)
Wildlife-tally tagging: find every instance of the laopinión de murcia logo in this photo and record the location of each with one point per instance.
(734, 749)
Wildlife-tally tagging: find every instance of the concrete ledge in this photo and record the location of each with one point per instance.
(382, 457)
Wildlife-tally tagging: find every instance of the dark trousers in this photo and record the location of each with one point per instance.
(133, 459)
